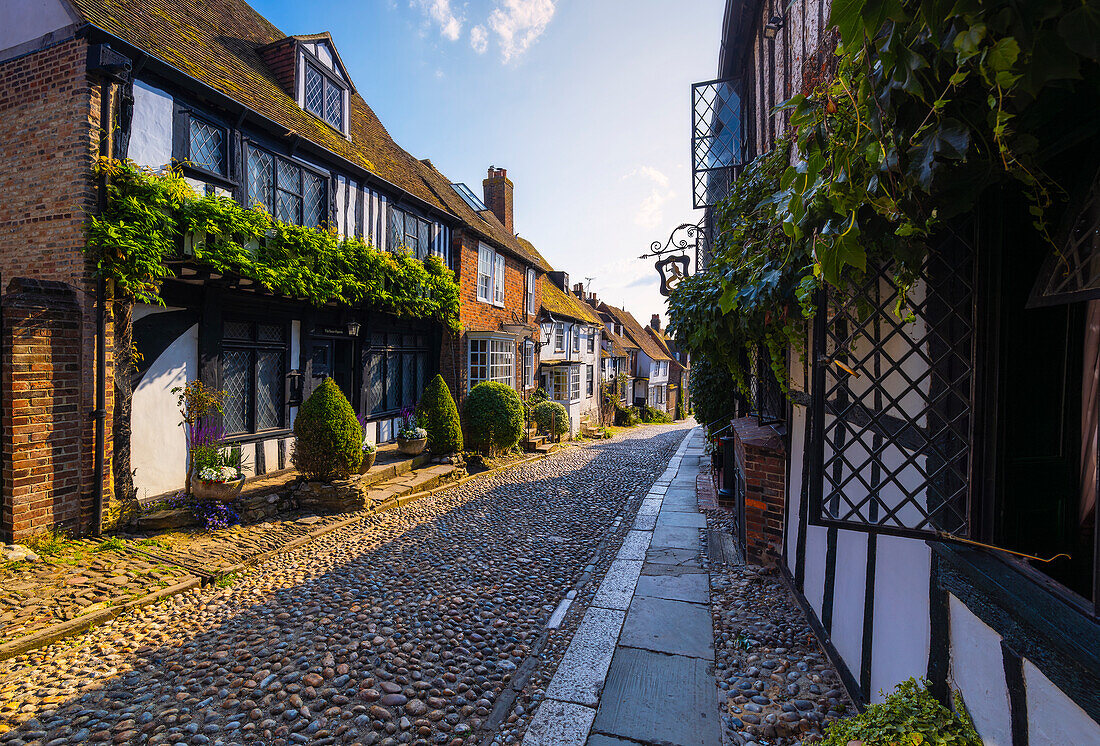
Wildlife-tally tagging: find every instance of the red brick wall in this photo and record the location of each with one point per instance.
(42, 424)
(49, 124)
(761, 454)
(476, 315)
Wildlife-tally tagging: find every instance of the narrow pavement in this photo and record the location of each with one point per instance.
(640, 668)
(416, 626)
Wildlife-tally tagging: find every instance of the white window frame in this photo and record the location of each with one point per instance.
(574, 383)
(490, 359)
(531, 279)
(498, 279)
(559, 336)
(485, 261)
(528, 365)
(591, 340)
(577, 331)
(590, 380)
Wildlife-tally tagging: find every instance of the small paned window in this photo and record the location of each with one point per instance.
(207, 146)
(591, 341)
(531, 310)
(558, 384)
(491, 360)
(574, 382)
(591, 379)
(324, 97)
(395, 368)
(577, 332)
(498, 280)
(409, 233)
(528, 364)
(559, 337)
(289, 192)
(484, 273)
(253, 376)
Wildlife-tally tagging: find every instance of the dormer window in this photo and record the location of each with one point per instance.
(324, 96)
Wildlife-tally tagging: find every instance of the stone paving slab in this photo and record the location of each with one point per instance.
(559, 724)
(650, 506)
(676, 537)
(664, 626)
(661, 699)
(691, 587)
(635, 545)
(676, 518)
(618, 585)
(646, 522)
(580, 675)
(673, 556)
(602, 740)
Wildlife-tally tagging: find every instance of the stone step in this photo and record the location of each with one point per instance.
(357, 493)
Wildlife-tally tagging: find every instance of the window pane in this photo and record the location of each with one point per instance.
(269, 389)
(393, 381)
(396, 230)
(498, 279)
(376, 399)
(289, 177)
(408, 380)
(237, 330)
(334, 105)
(288, 207)
(270, 332)
(207, 146)
(479, 361)
(425, 238)
(315, 91)
(314, 202)
(484, 273)
(261, 179)
(237, 381)
(421, 372)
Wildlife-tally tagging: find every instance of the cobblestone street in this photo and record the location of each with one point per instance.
(407, 627)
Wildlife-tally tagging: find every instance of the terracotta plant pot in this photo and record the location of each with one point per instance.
(411, 447)
(222, 492)
(368, 461)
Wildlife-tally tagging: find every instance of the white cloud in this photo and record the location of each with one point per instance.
(440, 13)
(651, 211)
(519, 23)
(479, 39)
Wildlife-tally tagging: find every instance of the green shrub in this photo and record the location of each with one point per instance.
(438, 414)
(494, 417)
(651, 414)
(328, 439)
(538, 396)
(625, 416)
(551, 417)
(713, 390)
(680, 407)
(909, 715)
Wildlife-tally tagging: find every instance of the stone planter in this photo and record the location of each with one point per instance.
(411, 447)
(222, 492)
(368, 461)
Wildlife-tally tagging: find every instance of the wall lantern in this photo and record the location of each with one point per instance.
(353, 328)
(771, 28)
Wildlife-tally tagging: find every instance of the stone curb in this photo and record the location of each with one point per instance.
(82, 623)
(87, 621)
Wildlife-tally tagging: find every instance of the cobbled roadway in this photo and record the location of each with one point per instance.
(403, 628)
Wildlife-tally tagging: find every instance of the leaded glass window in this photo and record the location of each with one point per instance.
(289, 192)
(396, 367)
(207, 144)
(315, 91)
(324, 97)
(253, 376)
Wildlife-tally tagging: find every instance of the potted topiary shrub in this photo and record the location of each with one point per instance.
(411, 438)
(438, 414)
(328, 440)
(551, 417)
(494, 417)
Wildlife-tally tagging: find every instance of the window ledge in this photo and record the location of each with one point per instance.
(1036, 618)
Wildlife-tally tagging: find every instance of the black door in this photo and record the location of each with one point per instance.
(332, 357)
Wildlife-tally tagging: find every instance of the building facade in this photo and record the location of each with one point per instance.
(885, 461)
(569, 361)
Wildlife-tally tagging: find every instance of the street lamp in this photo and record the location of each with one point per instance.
(771, 28)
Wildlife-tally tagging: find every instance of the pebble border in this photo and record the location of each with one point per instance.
(566, 714)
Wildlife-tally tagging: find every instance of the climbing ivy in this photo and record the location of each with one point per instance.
(135, 242)
(914, 110)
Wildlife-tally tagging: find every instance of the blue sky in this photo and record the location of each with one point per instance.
(587, 104)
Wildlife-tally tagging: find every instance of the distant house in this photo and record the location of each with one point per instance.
(569, 363)
(648, 365)
(679, 370)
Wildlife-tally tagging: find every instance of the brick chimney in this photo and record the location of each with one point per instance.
(655, 322)
(498, 195)
(578, 290)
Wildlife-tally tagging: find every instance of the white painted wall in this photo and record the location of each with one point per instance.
(848, 593)
(23, 21)
(151, 128)
(158, 441)
(1053, 719)
(977, 670)
(900, 638)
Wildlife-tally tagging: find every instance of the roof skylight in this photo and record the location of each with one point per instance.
(469, 197)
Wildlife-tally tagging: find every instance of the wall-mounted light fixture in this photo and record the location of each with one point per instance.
(353, 328)
(771, 28)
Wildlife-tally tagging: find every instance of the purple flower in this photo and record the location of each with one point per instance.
(206, 434)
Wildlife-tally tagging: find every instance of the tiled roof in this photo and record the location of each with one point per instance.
(560, 303)
(666, 344)
(632, 330)
(218, 42)
(618, 344)
(539, 259)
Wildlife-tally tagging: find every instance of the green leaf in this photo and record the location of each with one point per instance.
(968, 41)
(847, 16)
(1003, 54)
(1081, 30)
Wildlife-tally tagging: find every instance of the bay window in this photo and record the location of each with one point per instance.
(574, 382)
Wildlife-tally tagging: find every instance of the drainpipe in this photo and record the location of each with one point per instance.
(111, 67)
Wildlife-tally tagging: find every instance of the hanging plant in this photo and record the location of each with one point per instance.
(135, 242)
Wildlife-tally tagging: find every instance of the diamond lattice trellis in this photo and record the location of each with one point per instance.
(207, 146)
(1072, 273)
(892, 406)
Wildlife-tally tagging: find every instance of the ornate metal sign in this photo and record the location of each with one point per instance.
(673, 257)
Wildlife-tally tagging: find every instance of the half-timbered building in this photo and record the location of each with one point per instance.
(916, 452)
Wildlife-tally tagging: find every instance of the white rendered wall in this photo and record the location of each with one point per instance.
(151, 128)
(900, 639)
(848, 594)
(1053, 719)
(158, 442)
(23, 21)
(977, 670)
